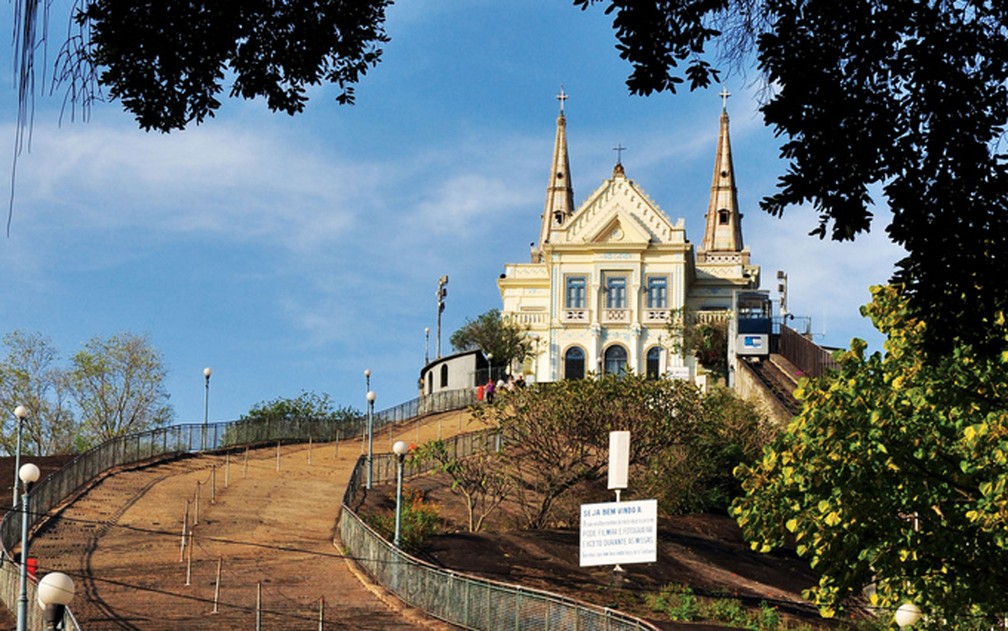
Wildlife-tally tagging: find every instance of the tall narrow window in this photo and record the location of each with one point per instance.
(444, 375)
(615, 360)
(615, 292)
(657, 292)
(575, 297)
(654, 362)
(574, 363)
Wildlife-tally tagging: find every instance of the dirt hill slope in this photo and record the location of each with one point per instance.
(270, 525)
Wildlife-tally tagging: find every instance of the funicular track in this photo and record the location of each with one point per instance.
(776, 382)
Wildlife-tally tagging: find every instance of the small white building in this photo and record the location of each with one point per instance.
(607, 276)
(467, 369)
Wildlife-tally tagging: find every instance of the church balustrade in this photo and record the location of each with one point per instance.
(653, 316)
(575, 316)
(712, 317)
(615, 315)
(528, 318)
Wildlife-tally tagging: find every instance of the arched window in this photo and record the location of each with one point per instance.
(615, 360)
(654, 362)
(723, 217)
(574, 363)
(444, 375)
(430, 382)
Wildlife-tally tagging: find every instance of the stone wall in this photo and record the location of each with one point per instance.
(750, 388)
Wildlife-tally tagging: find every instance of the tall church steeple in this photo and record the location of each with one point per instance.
(723, 232)
(560, 191)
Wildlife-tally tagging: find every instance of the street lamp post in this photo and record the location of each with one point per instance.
(367, 380)
(29, 474)
(489, 357)
(21, 412)
(206, 404)
(401, 449)
(55, 591)
(371, 396)
(426, 345)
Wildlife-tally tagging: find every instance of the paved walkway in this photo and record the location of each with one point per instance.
(272, 527)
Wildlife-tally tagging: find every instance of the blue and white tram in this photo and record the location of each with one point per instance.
(753, 323)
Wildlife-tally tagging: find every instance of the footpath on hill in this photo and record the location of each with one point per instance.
(267, 524)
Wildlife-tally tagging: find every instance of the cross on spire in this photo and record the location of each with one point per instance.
(724, 96)
(562, 97)
(619, 149)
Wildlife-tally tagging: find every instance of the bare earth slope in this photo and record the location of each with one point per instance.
(121, 541)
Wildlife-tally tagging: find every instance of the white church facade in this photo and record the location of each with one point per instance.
(606, 276)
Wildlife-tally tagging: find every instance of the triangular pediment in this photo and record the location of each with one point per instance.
(619, 230)
(618, 212)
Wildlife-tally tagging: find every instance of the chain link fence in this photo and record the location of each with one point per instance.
(469, 602)
(167, 443)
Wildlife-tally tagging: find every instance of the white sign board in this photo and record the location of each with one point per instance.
(679, 372)
(619, 459)
(619, 532)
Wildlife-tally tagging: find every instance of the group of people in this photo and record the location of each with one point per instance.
(510, 385)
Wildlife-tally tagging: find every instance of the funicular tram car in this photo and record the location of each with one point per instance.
(753, 324)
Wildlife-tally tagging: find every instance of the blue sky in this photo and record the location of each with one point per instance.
(290, 254)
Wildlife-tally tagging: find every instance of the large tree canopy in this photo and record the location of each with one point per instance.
(166, 59)
(113, 386)
(907, 98)
(895, 476)
(684, 443)
(118, 383)
(30, 375)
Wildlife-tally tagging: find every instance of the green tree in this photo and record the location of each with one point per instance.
(30, 375)
(308, 406)
(492, 333)
(166, 61)
(118, 384)
(904, 100)
(707, 341)
(694, 474)
(557, 440)
(895, 473)
(479, 479)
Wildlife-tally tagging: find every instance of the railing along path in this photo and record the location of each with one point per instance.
(468, 602)
(168, 443)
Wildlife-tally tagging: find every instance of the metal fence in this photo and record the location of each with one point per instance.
(466, 601)
(172, 442)
(806, 355)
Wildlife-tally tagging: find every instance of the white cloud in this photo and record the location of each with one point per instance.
(827, 280)
(214, 180)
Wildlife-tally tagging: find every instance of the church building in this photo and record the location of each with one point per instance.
(607, 276)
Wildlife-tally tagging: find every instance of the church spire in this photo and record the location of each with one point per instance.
(560, 192)
(723, 232)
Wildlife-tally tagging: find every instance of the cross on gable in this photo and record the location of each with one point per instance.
(562, 97)
(619, 149)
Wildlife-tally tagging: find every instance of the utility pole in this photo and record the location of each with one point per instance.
(441, 293)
